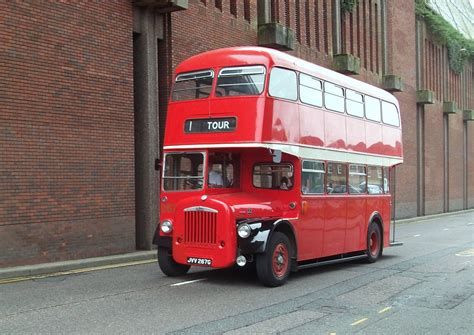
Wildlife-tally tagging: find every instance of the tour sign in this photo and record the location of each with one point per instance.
(215, 125)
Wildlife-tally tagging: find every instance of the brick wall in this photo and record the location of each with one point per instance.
(66, 130)
(66, 117)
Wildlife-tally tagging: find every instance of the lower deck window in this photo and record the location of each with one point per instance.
(337, 178)
(273, 176)
(357, 179)
(312, 177)
(183, 171)
(223, 170)
(374, 180)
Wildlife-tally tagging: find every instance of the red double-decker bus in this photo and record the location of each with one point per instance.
(274, 160)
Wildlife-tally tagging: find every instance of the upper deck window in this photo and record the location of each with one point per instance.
(242, 80)
(283, 84)
(354, 103)
(390, 114)
(193, 85)
(372, 108)
(334, 97)
(311, 90)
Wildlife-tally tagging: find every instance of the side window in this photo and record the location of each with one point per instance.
(390, 114)
(374, 177)
(354, 103)
(337, 178)
(357, 179)
(372, 108)
(386, 180)
(283, 84)
(273, 176)
(311, 90)
(312, 177)
(333, 97)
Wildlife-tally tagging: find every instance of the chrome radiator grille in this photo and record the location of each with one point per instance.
(200, 225)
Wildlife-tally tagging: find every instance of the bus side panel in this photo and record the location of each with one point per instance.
(311, 228)
(356, 223)
(373, 137)
(334, 225)
(355, 134)
(335, 130)
(378, 203)
(281, 122)
(311, 126)
(392, 141)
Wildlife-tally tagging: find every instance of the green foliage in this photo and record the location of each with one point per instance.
(348, 5)
(459, 48)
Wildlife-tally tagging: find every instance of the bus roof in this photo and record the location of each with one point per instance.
(251, 55)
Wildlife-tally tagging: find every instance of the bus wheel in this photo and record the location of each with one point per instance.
(374, 242)
(168, 265)
(273, 266)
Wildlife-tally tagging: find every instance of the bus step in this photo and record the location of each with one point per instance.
(396, 244)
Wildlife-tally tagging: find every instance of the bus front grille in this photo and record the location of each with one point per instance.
(200, 227)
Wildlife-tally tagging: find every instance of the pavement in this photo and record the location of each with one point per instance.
(35, 271)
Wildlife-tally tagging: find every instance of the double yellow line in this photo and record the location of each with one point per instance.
(75, 271)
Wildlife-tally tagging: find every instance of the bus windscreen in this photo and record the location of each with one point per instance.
(243, 80)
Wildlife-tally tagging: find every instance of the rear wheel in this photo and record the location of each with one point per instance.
(374, 242)
(273, 266)
(168, 265)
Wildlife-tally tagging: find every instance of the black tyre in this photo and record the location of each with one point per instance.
(374, 242)
(274, 265)
(168, 265)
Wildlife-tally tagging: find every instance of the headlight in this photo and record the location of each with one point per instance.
(244, 230)
(166, 226)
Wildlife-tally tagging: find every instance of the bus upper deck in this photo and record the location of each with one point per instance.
(265, 98)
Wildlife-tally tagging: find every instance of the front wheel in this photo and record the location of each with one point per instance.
(273, 266)
(168, 265)
(374, 242)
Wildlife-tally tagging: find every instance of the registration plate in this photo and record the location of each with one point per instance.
(199, 261)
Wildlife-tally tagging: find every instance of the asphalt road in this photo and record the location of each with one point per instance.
(424, 287)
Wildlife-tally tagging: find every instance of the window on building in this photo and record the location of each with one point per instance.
(354, 103)
(283, 84)
(334, 97)
(312, 177)
(183, 171)
(372, 108)
(233, 7)
(336, 178)
(247, 10)
(273, 176)
(357, 179)
(390, 114)
(218, 4)
(374, 180)
(193, 85)
(244, 80)
(311, 90)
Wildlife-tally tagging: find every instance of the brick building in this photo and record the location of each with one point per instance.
(83, 91)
